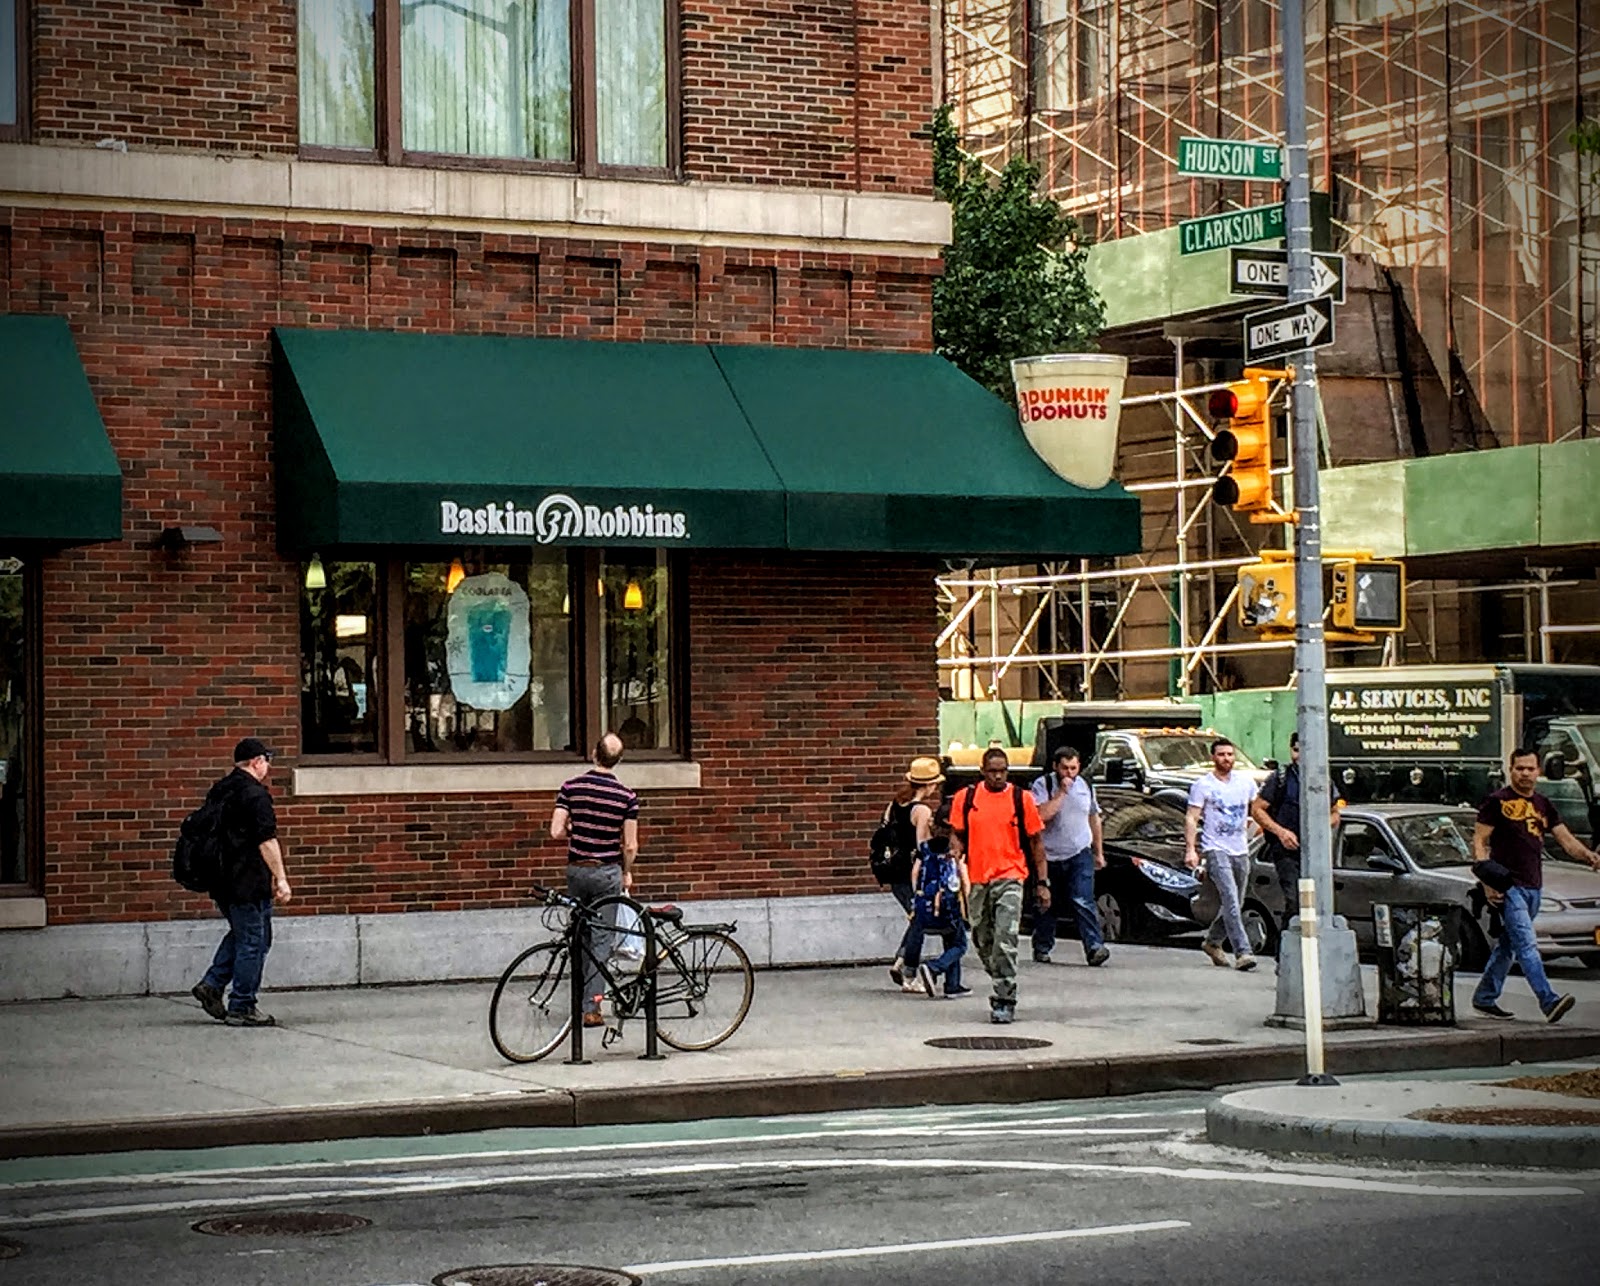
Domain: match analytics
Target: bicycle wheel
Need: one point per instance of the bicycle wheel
(703, 988)
(531, 1012)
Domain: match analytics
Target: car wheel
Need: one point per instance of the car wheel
(1260, 928)
(1474, 946)
(1114, 920)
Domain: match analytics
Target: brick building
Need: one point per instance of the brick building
(427, 388)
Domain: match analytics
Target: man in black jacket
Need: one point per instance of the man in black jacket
(252, 876)
(1276, 810)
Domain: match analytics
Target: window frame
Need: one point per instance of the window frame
(32, 726)
(21, 131)
(583, 569)
(389, 147)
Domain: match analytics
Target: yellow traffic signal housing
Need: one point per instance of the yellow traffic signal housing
(1266, 596)
(1368, 596)
(1243, 442)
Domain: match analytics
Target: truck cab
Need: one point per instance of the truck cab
(1166, 758)
(1569, 768)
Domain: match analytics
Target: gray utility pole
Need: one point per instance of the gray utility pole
(1342, 997)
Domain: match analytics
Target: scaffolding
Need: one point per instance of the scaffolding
(1439, 131)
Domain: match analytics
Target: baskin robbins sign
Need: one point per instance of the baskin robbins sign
(559, 517)
(1069, 405)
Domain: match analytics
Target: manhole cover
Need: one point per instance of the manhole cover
(285, 1223)
(9, 1249)
(986, 1042)
(536, 1275)
(1208, 1040)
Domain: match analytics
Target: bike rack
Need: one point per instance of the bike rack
(576, 949)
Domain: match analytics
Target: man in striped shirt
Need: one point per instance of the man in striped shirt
(599, 818)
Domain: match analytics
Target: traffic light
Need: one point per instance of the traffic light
(1243, 441)
(1368, 596)
(1266, 595)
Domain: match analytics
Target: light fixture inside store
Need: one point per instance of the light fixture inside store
(349, 626)
(316, 578)
(633, 596)
(600, 587)
(566, 605)
(458, 573)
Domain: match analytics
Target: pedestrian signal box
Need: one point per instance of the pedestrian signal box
(1266, 596)
(1368, 596)
(1243, 442)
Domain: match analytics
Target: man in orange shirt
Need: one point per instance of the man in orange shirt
(997, 825)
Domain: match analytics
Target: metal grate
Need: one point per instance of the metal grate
(536, 1275)
(285, 1223)
(1208, 1040)
(986, 1042)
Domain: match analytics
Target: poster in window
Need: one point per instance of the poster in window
(486, 642)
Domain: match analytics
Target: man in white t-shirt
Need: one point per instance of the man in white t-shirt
(1218, 820)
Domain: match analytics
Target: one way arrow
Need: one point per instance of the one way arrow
(1291, 328)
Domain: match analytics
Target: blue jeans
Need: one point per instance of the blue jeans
(242, 953)
(1516, 942)
(909, 952)
(948, 965)
(1071, 884)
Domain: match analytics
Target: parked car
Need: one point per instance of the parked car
(1388, 853)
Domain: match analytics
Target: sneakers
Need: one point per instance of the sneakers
(897, 972)
(593, 1018)
(1001, 1011)
(1098, 957)
(925, 978)
(210, 1000)
(951, 993)
(1041, 957)
(1245, 963)
(251, 1017)
(912, 986)
(1491, 1011)
(1557, 1011)
(1219, 957)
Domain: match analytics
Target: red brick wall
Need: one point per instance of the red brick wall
(824, 93)
(156, 662)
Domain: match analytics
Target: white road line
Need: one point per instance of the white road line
(913, 1248)
(581, 1149)
(965, 1165)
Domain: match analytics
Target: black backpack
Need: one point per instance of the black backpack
(891, 849)
(197, 857)
(1016, 801)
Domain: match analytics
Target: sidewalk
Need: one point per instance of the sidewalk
(148, 1072)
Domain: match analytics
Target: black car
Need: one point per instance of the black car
(1144, 891)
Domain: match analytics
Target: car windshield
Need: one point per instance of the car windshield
(1590, 732)
(1436, 839)
(1175, 754)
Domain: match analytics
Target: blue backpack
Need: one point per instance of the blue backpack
(938, 892)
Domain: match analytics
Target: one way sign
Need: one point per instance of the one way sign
(1292, 328)
(1254, 271)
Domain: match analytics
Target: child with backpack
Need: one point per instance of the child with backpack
(939, 879)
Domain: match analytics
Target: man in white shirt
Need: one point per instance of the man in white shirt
(1073, 853)
(1216, 829)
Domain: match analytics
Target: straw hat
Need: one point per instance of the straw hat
(924, 771)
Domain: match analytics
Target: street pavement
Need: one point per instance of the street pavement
(155, 1072)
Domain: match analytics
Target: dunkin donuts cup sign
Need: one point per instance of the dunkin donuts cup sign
(1069, 404)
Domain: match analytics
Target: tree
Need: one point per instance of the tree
(1013, 282)
(1586, 138)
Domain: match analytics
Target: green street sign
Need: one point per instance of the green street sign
(1219, 158)
(1235, 228)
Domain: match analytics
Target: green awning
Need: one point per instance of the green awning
(904, 453)
(59, 479)
(386, 438)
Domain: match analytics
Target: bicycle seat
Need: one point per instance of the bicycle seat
(668, 914)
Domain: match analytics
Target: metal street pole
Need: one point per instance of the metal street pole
(1340, 981)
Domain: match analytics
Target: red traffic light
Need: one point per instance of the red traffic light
(1223, 404)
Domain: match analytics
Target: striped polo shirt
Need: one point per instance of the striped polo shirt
(598, 804)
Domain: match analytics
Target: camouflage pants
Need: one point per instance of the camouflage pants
(996, 923)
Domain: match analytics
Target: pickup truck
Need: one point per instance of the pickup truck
(1153, 759)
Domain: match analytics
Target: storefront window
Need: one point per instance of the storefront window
(634, 644)
(488, 647)
(339, 657)
(17, 863)
(338, 64)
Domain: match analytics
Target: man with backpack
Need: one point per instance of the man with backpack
(1276, 810)
(998, 827)
(1073, 851)
(242, 831)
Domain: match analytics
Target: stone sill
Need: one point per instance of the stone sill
(479, 779)
(22, 913)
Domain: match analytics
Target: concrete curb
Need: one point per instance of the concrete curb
(1236, 1122)
(1021, 1082)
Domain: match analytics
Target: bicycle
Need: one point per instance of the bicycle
(531, 1011)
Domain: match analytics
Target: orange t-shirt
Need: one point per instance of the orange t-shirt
(989, 817)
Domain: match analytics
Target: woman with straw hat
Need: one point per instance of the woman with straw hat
(911, 813)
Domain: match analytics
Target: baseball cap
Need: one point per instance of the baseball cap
(250, 748)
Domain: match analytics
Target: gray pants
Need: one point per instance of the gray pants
(588, 883)
(1230, 875)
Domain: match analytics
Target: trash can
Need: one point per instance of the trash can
(1417, 953)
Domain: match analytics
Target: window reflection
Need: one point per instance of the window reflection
(636, 690)
(14, 856)
(488, 662)
(339, 660)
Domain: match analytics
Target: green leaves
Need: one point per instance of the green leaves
(1013, 282)
(1586, 138)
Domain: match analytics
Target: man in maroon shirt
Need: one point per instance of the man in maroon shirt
(1510, 830)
